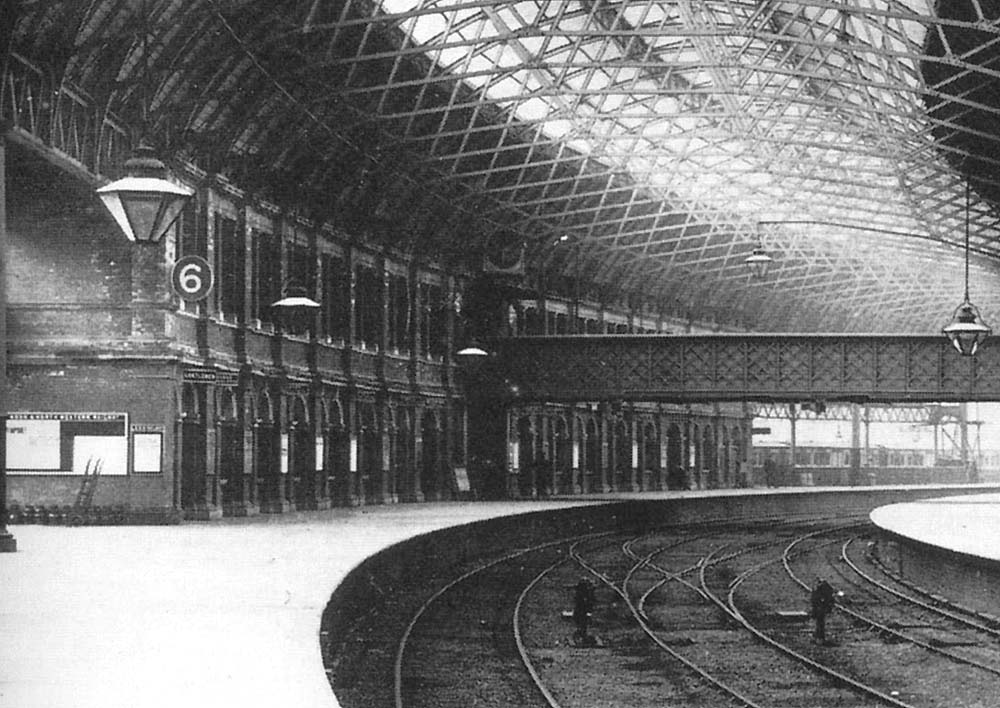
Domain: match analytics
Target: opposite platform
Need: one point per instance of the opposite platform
(222, 613)
(969, 525)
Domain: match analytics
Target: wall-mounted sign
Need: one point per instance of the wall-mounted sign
(227, 378)
(192, 278)
(462, 479)
(67, 443)
(320, 453)
(198, 374)
(147, 449)
(206, 374)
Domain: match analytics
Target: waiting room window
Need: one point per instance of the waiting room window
(266, 287)
(368, 307)
(336, 312)
(230, 267)
(399, 312)
(438, 322)
(192, 240)
(301, 274)
(432, 320)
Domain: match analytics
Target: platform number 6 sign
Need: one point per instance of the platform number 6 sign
(192, 278)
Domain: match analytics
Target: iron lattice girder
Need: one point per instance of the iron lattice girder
(658, 94)
(758, 367)
(899, 413)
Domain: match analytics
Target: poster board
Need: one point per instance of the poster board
(320, 453)
(147, 453)
(50, 443)
(462, 479)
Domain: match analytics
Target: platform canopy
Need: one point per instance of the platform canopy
(635, 151)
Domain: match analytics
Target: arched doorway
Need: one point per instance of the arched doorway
(675, 459)
(621, 456)
(195, 496)
(592, 457)
(562, 457)
(649, 461)
(301, 484)
(267, 457)
(321, 455)
(235, 490)
(402, 455)
(338, 473)
(708, 457)
(696, 478)
(738, 456)
(526, 457)
(369, 453)
(430, 455)
(725, 463)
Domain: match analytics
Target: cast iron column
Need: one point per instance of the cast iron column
(7, 542)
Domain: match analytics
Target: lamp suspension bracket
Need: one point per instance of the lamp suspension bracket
(758, 261)
(144, 203)
(966, 331)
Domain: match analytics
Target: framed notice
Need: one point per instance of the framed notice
(147, 453)
(462, 479)
(40, 443)
(320, 452)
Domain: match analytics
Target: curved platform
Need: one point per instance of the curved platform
(948, 547)
(968, 525)
(222, 613)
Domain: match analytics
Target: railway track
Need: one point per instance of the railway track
(688, 617)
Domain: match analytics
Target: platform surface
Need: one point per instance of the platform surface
(967, 524)
(221, 613)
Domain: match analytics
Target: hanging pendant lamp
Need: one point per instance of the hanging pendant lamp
(144, 203)
(966, 331)
(758, 261)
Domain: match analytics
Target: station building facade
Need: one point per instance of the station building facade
(220, 406)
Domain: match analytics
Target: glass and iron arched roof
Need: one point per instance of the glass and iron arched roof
(634, 150)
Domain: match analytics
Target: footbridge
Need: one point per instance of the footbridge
(744, 367)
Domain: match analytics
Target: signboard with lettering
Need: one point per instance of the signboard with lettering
(192, 278)
(67, 443)
(198, 374)
(206, 374)
(227, 378)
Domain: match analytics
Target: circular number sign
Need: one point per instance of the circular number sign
(192, 278)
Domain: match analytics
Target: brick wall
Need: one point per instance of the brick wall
(145, 392)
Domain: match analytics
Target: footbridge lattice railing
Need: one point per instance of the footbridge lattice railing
(754, 367)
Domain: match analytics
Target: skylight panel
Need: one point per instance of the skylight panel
(534, 109)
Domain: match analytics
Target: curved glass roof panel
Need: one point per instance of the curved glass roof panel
(633, 150)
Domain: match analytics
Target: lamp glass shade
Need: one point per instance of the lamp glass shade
(472, 351)
(967, 330)
(296, 309)
(758, 262)
(144, 207)
(295, 301)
